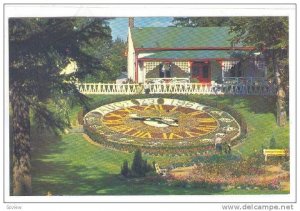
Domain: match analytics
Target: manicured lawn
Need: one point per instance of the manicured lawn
(69, 165)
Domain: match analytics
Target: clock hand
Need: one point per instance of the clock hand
(160, 120)
(136, 117)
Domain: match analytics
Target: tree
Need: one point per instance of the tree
(125, 169)
(139, 167)
(137, 164)
(117, 61)
(39, 48)
(270, 36)
(112, 55)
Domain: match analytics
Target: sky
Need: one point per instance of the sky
(119, 26)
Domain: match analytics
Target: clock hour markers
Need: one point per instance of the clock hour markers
(122, 128)
(192, 134)
(159, 122)
(146, 122)
(142, 134)
(195, 113)
(171, 136)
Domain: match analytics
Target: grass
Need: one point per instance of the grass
(69, 165)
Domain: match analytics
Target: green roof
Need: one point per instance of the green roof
(195, 54)
(180, 37)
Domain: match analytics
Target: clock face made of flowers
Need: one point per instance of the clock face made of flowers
(159, 123)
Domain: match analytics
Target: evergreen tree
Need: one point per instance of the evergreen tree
(39, 48)
(137, 166)
(125, 169)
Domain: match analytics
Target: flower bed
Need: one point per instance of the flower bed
(243, 182)
(231, 172)
(192, 146)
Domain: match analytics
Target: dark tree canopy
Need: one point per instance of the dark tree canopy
(39, 49)
(270, 35)
(112, 53)
(261, 32)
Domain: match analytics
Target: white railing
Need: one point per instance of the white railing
(110, 88)
(166, 80)
(245, 80)
(177, 88)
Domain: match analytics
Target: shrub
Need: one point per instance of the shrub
(229, 166)
(139, 167)
(125, 169)
(194, 80)
(147, 167)
(138, 164)
(286, 166)
(272, 143)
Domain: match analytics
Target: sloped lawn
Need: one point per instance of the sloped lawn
(69, 165)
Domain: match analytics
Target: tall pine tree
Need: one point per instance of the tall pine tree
(39, 48)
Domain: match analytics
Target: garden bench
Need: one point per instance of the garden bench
(160, 171)
(275, 152)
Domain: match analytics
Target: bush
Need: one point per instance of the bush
(229, 166)
(286, 166)
(139, 167)
(138, 164)
(125, 169)
(272, 143)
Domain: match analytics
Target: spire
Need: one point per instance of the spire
(131, 22)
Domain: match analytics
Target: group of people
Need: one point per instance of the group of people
(165, 70)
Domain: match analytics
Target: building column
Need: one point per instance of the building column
(136, 69)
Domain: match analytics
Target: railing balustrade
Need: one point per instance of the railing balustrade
(245, 80)
(166, 80)
(178, 88)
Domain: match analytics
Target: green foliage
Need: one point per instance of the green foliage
(56, 160)
(272, 143)
(112, 55)
(261, 32)
(286, 166)
(230, 166)
(40, 48)
(125, 169)
(139, 167)
(270, 35)
(138, 164)
(194, 80)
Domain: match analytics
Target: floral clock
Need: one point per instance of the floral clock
(160, 125)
